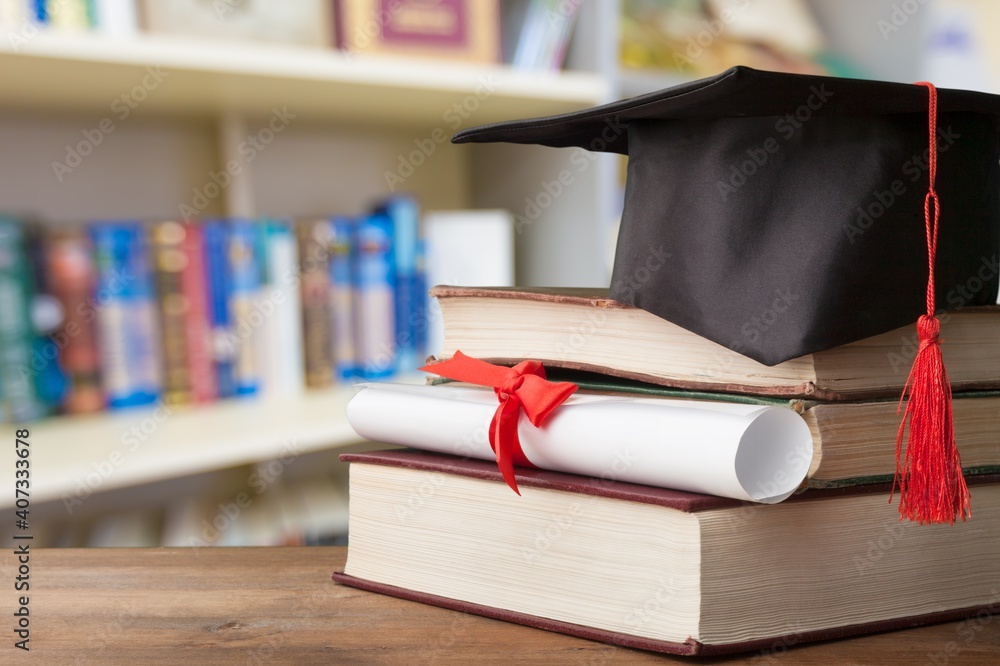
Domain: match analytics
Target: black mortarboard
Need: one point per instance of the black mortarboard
(790, 208)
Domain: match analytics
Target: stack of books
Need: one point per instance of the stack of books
(650, 512)
(665, 514)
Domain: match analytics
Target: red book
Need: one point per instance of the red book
(197, 328)
(659, 569)
(460, 29)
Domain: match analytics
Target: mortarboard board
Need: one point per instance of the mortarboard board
(791, 206)
(798, 213)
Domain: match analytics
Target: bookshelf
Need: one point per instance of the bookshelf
(355, 119)
(74, 456)
(205, 78)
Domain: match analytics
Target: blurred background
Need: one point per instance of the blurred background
(217, 216)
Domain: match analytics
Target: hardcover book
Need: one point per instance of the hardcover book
(458, 29)
(659, 569)
(584, 329)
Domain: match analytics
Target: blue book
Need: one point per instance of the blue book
(343, 297)
(405, 215)
(126, 314)
(376, 309)
(244, 268)
(219, 286)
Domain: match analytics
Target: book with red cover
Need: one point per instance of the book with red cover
(658, 569)
(456, 29)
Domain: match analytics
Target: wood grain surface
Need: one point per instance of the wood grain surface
(279, 606)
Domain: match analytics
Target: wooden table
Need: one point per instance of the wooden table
(278, 606)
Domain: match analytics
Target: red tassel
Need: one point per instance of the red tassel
(932, 488)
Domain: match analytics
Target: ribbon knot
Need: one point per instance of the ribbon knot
(523, 387)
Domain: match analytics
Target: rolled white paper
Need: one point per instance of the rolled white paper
(747, 452)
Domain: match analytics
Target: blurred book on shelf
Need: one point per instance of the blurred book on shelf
(190, 312)
(23, 19)
(701, 37)
(537, 32)
(469, 248)
(454, 29)
(301, 22)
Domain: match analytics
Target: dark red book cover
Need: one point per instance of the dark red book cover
(674, 499)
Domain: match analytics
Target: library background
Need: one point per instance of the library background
(217, 217)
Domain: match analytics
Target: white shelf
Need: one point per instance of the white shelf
(106, 451)
(82, 72)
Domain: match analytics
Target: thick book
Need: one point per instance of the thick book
(584, 329)
(659, 569)
(853, 441)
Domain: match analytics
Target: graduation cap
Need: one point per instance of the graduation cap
(799, 213)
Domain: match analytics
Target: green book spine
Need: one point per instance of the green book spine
(18, 383)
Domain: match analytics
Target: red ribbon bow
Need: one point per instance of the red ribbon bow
(523, 386)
